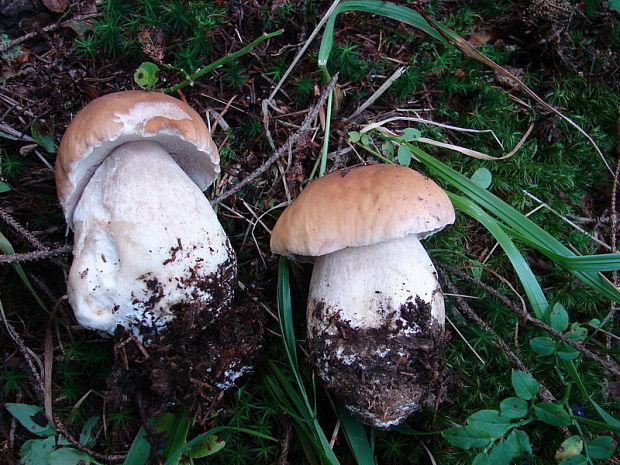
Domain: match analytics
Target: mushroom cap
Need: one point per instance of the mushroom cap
(360, 206)
(115, 119)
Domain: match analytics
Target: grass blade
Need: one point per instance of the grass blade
(300, 397)
(534, 293)
(356, 434)
(518, 224)
(387, 9)
(7, 249)
(140, 449)
(574, 374)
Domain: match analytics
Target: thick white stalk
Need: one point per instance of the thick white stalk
(146, 240)
(375, 327)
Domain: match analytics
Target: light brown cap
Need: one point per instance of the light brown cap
(115, 119)
(361, 206)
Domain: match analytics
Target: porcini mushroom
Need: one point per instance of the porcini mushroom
(130, 173)
(375, 312)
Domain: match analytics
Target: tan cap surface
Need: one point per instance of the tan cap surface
(361, 206)
(114, 119)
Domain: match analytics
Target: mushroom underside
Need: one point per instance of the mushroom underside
(376, 328)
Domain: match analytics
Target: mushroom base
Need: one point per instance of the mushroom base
(380, 375)
(191, 361)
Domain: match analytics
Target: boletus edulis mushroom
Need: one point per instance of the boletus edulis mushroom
(375, 312)
(150, 256)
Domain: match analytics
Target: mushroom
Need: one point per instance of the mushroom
(130, 173)
(375, 312)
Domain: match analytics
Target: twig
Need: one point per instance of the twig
(27, 235)
(37, 381)
(563, 218)
(469, 50)
(36, 255)
(51, 27)
(545, 394)
(59, 427)
(278, 153)
(608, 365)
(379, 92)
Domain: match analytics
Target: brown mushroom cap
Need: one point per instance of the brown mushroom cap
(361, 206)
(114, 119)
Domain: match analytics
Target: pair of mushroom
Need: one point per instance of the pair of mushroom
(130, 173)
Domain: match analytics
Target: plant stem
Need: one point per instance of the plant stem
(222, 61)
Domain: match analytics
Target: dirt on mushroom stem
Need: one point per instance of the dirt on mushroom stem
(378, 373)
(196, 356)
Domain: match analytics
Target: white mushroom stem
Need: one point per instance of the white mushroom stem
(146, 240)
(366, 286)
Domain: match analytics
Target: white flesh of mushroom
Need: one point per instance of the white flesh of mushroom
(367, 287)
(146, 239)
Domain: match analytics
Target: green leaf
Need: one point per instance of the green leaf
(481, 459)
(354, 136)
(43, 140)
(567, 352)
(388, 148)
(513, 407)
(410, 134)
(613, 4)
(32, 418)
(521, 442)
(4, 187)
(35, 451)
(574, 460)
(577, 333)
(602, 447)
(70, 456)
(87, 437)
(552, 414)
(569, 448)
(467, 437)
(559, 318)
(208, 446)
(146, 75)
(572, 371)
(7, 136)
(140, 449)
(502, 453)
(542, 345)
(482, 177)
(524, 385)
(404, 155)
(493, 422)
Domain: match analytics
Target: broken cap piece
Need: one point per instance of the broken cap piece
(360, 206)
(115, 119)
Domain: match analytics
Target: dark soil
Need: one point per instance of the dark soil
(378, 373)
(191, 362)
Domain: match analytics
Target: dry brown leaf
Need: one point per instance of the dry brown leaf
(56, 6)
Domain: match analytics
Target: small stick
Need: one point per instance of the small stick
(545, 394)
(609, 366)
(36, 255)
(278, 153)
(49, 28)
(27, 235)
